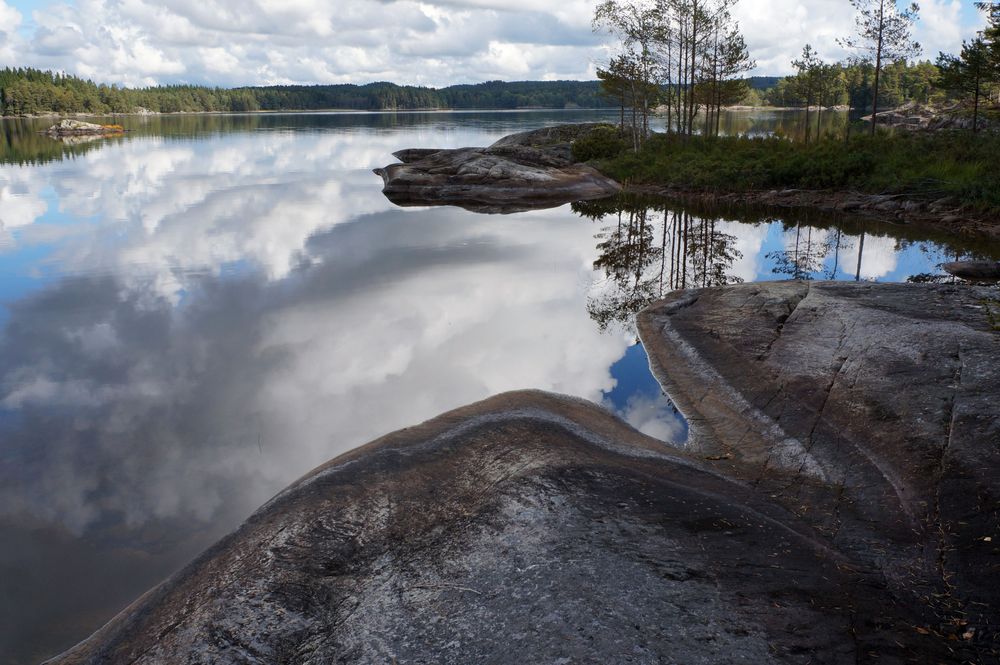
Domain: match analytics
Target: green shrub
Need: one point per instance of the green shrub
(921, 165)
(599, 143)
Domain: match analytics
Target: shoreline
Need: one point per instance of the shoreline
(431, 109)
(533, 109)
(897, 209)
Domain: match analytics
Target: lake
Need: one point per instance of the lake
(197, 313)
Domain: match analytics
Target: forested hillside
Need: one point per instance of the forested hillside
(830, 84)
(25, 91)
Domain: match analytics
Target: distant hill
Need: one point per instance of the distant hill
(763, 82)
(390, 96)
(26, 91)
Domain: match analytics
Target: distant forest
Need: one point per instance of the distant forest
(25, 91)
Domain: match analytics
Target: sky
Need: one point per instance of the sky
(435, 42)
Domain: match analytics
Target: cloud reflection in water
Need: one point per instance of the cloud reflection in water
(226, 314)
(196, 323)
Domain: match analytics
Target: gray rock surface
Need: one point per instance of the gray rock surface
(916, 116)
(527, 528)
(837, 503)
(518, 172)
(870, 411)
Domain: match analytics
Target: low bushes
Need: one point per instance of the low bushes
(603, 142)
(921, 165)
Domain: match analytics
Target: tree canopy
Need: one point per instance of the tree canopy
(26, 91)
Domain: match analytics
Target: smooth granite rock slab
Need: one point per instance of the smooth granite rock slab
(870, 410)
(519, 172)
(528, 528)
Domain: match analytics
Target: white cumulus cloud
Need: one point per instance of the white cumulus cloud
(428, 42)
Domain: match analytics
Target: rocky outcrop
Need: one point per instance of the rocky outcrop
(67, 127)
(519, 172)
(526, 528)
(870, 411)
(837, 503)
(557, 139)
(923, 116)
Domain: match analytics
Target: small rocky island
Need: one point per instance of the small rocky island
(71, 128)
(522, 171)
(837, 503)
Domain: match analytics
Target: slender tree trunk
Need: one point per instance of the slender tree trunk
(850, 105)
(694, 55)
(670, 94)
(645, 94)
(808, 104)
(809, 245)
(878, 64)
(682, 110)
(641, 253)
(975, 105)
(711, 250)
(682, 101)
(795, 261)
(663, 251)
(704, 253)
(635, 136)
(684, 251)
(819, 117)
(674, 226)
(718, 84)
(836, 256)
(861, 251)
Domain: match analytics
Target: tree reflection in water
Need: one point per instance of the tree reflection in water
(649, 248)
(803, 256)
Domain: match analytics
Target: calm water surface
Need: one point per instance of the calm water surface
(194, 315)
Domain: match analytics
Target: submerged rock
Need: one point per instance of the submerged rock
(519, 172)
(837, 504)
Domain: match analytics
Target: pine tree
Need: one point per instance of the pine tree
(968, 74)
(806, 84)
(884, 33)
